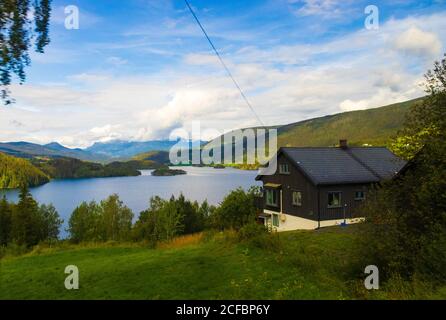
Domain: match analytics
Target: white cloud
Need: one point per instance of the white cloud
(285, 83)
(418, 42)
(116, 61)
(322, 8)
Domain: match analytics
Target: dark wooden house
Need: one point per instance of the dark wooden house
(318, 187)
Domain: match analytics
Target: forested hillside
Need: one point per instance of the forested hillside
(157, 156)
(372, 127)
(69, 168)
(15, 172)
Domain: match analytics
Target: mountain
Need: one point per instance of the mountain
(373, 127)
(157, 156)
(119, 149)
(29, 150)
(128, 149)
(15, 172)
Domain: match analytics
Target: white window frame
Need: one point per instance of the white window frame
(292, 198)
(281, 167)
(340, 199)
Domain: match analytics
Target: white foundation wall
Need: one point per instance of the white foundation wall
(290, 223)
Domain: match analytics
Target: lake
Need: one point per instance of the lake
(199, 184)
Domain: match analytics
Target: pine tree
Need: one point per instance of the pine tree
(25, 220)
(5, 222)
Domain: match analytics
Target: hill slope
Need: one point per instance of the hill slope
(15, 172)
(373, 127)
(156, 156)
(28, 150)
(306, 265)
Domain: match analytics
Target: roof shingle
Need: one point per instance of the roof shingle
(345, 166)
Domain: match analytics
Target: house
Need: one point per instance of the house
(319, 187)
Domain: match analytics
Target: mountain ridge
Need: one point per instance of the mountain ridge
(363, 127)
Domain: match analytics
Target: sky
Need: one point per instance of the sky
(138, 69)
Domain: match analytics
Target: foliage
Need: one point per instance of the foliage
(166, 171)
(108, 220)
(427, 120)
(70, 168)
(15, 172)
(116, 219)
(236, 210)
(406, 217)
(27, 223)
(83, 224)
(5, 222)
(50, 222)
(161, 222)
(16, 33)
(166, 219)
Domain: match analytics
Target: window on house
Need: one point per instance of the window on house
(359, 195)
(275, 220)
(271, 197)
(334, 199)
(297, 198)
(284, 168)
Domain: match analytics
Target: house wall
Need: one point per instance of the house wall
(353, 208)
(290, 223)
(295, 181)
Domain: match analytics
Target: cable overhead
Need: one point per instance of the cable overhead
(223, 63)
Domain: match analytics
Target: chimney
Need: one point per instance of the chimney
(343, 144)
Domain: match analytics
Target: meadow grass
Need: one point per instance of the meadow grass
(300, 265)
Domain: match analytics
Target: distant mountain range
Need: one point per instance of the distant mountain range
(98, 152)
(127, 149)
(371, 127)
(29, 150)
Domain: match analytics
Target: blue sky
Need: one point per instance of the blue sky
(138, 69)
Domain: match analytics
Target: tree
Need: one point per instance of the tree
(406, 217)
(116, 219)
(83, 224)
(193, 218)
(50, 222)
(22, 23)
(160, 222)
(426, 121)
(236, 210)
(25, 220)
(5, 222)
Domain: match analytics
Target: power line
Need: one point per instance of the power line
(223, 63)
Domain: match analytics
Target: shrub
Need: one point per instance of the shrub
(236, 210)
(257, 235)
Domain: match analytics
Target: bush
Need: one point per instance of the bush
(110, 220)
(257, 235)
(251, 230)
(236, 210)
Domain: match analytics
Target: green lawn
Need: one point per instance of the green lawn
(307, 265)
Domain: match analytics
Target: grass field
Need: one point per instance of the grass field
(300, 265)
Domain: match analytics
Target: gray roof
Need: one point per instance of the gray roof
(345, 166)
